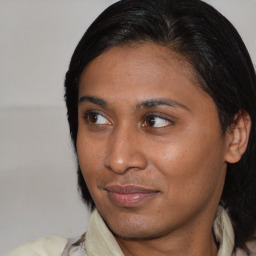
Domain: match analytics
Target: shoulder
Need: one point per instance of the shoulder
(46, 246)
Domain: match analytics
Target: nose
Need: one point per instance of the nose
(125, 151)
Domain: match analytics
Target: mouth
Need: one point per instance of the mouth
(129, 195)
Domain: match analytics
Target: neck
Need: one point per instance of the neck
(172, 246)
(194, 242)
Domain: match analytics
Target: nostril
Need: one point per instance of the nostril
(124, 151)
(122, 161)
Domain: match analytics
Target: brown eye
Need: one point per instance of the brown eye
(96, 118)
(92, 117)
(156, 121)
(150, 121)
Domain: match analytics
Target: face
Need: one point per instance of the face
(149, 142)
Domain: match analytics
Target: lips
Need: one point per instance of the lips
(128, 196)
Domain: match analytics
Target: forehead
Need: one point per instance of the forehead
(146, 56)
(138, 73)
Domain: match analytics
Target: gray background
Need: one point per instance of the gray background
(38, 194)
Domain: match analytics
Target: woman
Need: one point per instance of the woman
(161, 106)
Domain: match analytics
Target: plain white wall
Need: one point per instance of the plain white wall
(38, 193)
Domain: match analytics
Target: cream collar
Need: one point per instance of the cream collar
(100, 241)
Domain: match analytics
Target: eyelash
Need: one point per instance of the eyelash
(90, 113)
(145, 119)
(159, 116)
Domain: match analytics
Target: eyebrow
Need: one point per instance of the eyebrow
(158, 102)
(145, 104)
(94, 100)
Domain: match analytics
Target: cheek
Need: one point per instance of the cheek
(190, 166)
(89, 157)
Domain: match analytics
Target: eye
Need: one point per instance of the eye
(96, 118)
(155, 121)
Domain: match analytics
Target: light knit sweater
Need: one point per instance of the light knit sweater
(99, 241)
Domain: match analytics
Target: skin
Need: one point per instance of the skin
(172, 147)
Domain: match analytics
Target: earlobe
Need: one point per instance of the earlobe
(238, 137)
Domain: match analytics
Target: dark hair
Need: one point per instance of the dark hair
(213, 47)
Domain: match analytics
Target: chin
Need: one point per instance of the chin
(146, 233)
(134, 234)
(134, 227)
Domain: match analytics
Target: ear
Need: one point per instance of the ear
(238, 137)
